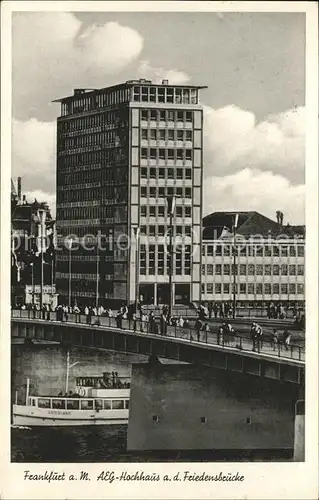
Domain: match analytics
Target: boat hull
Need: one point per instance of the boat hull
(35, 417)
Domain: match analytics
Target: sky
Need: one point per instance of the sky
(254, 106)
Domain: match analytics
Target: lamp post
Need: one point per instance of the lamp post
(234, 272)
(137, 265)
(32, 282)
(70, 271)
(171, 208)
(68, 366)
(97, 277)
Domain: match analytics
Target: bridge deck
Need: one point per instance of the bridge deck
(266, 349)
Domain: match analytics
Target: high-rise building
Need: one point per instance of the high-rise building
(123, 152)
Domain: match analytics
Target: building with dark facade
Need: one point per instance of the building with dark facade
(122, 153)
(32, 250)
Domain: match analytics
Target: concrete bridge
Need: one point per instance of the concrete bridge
(234, 354)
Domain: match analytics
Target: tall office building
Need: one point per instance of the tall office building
(122, 153)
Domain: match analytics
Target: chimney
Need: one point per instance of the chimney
(164, 82)
(19, 189)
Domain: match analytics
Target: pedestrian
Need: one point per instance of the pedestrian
(76, 311)
(286, 338)
(222, 310)
(220, 335)
(66, 312)
(119, 318)
(274, 339)
(163, 323)
(134, 321)
(151, 320)
(198, 327)
(206, 330)
(216, 308)
(48, 310)
(89, 316)
(210, 309)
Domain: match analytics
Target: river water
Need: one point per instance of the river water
(45, 366)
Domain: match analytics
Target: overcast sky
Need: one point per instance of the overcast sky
(253, 65)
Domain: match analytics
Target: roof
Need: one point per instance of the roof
(249, 224)
(128, 83)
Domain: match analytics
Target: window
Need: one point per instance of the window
(226, 269)
(58, 403)
(226, 250)
(43, 403)
(86, 404)
(118, 404)
(170, 135)
(144, 172)
(161, 211)
(170, 173)
(284, 288)
(153, 114)
(209, 288)
(203, 270)
(179, 173)
(210, 250)
(226, 288)
(210, 269)
(189, 116)
(161, 230)
(72, 404)
(275, 288)
(300, 270)
(284, 270)
(143, 191)
(161, 154)
(218, 288)
(276, 251)
(152, 134)
(170, 154)
(170, 117)
(259, 251)
(107, 404)
(152, 173)
(179, 135)
(161, 192)
(275, 270)
(188, 192)
(152, 211)
(259, 288)
(267, 270)
(153, 153)
(161, 135)
(218, 250)
(151, 265)
(300, 288)
(267, 288)
(292, 251)
(188, 135)
(251, 288)
(242, 269)
(218, 269)
(180, 116)
(144, 152)
(188, 173)
(188, 212)
(144, 134)
(267, 251)
(179, 154)
(161, 173)
(251, 269)
(144, 114)
(242, 288)
(301, 251)
(161, 115)
(292, 270)
(143, 211)
(169, 94)
(292, 288)
(284, 251)
(259, 269)
(188, 154)
(151, 230)
(161, 94)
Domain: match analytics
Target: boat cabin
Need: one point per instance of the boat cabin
(57, 403)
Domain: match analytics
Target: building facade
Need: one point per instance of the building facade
(122, 153)
(269, 261)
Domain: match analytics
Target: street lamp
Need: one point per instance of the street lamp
(137, 264)
(171, 208)
(234, 272)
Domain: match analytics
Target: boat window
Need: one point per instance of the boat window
(87, 404)
(98, 404)
(107, 404)
(44, 403)
(72, 404)
(58, 403)
(118, 404)
(127, 402)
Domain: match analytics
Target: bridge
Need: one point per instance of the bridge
(232, 353)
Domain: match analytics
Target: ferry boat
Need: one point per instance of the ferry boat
(102, 400)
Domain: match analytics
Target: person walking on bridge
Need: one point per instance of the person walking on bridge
(256, 335)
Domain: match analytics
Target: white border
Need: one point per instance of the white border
(262, 480)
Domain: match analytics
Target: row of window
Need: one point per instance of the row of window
(252, 269)
(111, 138)
(153, 134)
(162, 230)
(171, 95)
(161, 211)
(166, 154)
(155, 260)
(162, 192)
(166, 173)
(254, 288)
(258, 250)
(166, 115)
(83, 404)
(83, 102)
(114, 117)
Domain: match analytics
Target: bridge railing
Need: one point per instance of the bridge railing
(192, 335)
